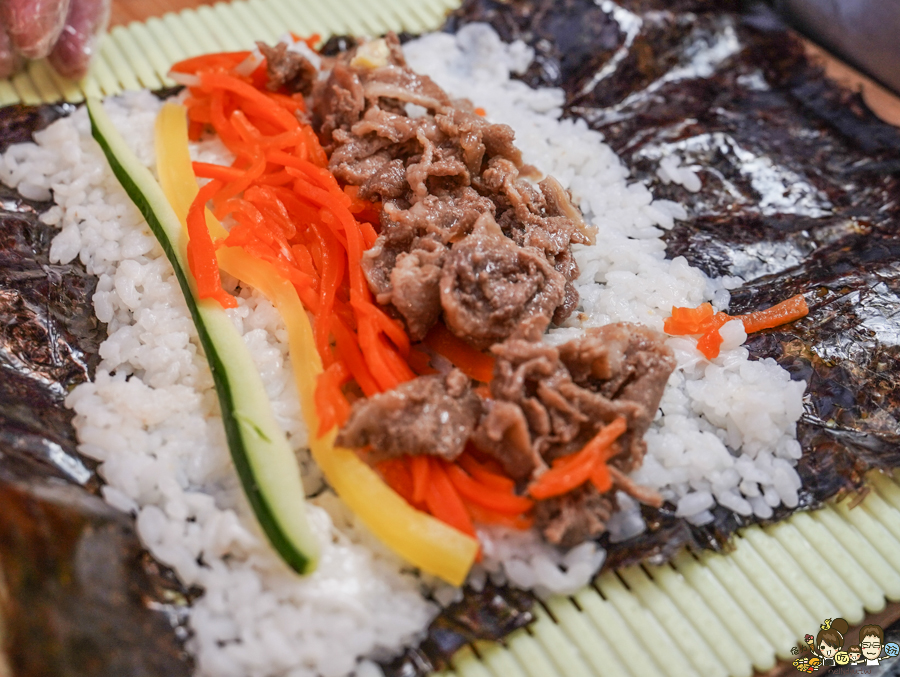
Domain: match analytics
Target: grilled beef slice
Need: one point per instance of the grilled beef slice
(428, 415)
(549, 402)
(436, 166)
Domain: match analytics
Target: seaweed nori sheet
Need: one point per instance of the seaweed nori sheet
(800, 195)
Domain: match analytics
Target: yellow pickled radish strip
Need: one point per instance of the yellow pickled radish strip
(419, 538)
(173, 158)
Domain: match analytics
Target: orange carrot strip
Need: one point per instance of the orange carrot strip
(266, 200)
(420, 362)
(201, 253)
(483, 516)
(483, 475)
(576, 469)
(329, 399)
(470, 361)
(240, 185)
(348, 349)
(396, 473)
(261, 115)
(688, 320)
(491, 499)
(242, 125)
(368, 232)
(331, 274)
(275, 179)
(421, 471)
(222, 81)
(601, 478)
(284, 139)
(787, 311)
(316, 153)
(195, 130)
(562, 479)
(222, 125)
(304, 259)
(222, 60)
(376, 353)
(200, 113)
(384, 323)
(206, 170)
(292, 103)
(444, 502)
(710, 343)
(602, 442)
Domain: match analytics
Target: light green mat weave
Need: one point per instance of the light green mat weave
(139, 55)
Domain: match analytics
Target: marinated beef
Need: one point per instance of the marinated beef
(466, 238)
(415, 290)
(573, 518)
(491, 289)
(549, 402)
(436, 166)
(622, 361)
(338, 103)
(428, 415)
(287, 68)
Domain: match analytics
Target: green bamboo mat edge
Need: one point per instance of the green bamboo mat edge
(705, 614)
(140, 54)
(715, 615)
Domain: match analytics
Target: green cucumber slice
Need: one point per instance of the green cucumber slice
(264, 460)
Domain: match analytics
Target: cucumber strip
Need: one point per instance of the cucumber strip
(264, 460)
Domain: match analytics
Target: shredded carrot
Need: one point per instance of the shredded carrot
(786, 311)
(483, 474)
(573, 470)
(397, 475)
(601, 478)
(421, 473)
(310, 41)
(473, 363)
(331, 403)
(685, 321)
(705, 322)
(482, 516)
(480, 111)
(444, 501)
(491, 499)
(224, 61)
(201, 254)
(420, 362)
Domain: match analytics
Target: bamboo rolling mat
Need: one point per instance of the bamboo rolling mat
(705, 614)
(140, 54)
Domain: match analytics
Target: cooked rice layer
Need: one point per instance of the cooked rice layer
(725, 432)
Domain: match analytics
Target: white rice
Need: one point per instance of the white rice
(725, 433)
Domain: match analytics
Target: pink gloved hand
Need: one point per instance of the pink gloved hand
(72, 53)
(63, 30)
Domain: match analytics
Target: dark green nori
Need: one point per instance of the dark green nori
(769, 101)
(491, 613)
(836, 239)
